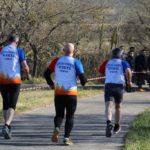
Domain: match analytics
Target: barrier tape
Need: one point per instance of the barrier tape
(146, 72)
(34, 88)
(97, 78)
(46, 86)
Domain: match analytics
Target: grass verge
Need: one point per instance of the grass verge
(138, 137)
(29, 100)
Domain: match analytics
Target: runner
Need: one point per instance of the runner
(11, 58)
(114, 83)
(66, 70)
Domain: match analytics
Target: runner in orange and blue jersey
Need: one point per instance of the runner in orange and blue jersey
(11, 59)
(66, 69)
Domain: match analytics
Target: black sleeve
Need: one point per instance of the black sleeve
(83, 79)
(47, 76)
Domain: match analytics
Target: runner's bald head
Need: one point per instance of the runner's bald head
(69, 49)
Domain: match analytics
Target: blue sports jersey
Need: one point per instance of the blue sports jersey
(22, 55)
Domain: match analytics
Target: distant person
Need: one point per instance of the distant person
(11, 59)
(66, 69)
(130, 57)
(121, 48)
(140, 68)
(114, 72)
(148, 65)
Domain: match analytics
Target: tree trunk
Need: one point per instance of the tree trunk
(35, 59)
(35, 62)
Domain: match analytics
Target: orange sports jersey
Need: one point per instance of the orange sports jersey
(66, 71)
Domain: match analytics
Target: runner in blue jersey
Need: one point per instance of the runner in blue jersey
(115, 71)
(11, 60)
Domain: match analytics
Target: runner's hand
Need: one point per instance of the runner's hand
(52, 86)
(129, 83)
(28, 76)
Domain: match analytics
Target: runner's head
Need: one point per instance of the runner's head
(143, 52)
(69, 49)
(131, 51)
(117, 53)
(13, 39)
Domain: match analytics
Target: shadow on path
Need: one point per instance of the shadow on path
(87, 129)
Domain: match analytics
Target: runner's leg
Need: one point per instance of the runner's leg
(60, 110)
(5, 97)
(71, 104)
(108, 110)
(108, 102)
(118, 96)
(14, 91)
(117, 113)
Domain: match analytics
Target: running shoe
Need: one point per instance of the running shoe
(67, 141)
(109, 128)
(6, 132)
(55, 136)
(117, 128)
(141, 90)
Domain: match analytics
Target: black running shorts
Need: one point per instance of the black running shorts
(114, 92)
(10, 93)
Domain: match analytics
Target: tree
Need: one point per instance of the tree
(137, 28)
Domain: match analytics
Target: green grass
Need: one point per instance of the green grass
(35, 81)
(138, 137)
(29, 100)
(41, 80)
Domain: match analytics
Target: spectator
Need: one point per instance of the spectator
(140, 68)
(148, 66)
(130, 57)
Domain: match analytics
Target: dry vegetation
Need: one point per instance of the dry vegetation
(95, 26)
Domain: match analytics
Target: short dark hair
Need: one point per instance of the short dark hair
(132, 48)
(13, 38)
(117, 53)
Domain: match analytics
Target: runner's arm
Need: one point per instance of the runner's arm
(47, 73)
(26, 69)
(80, 72)
(128, 74)
(47, 76)
(83, 79)
(23, 62)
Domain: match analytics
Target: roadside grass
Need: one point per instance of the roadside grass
(30, 100)
(138, 137)
(41, 80)
(35, 81)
